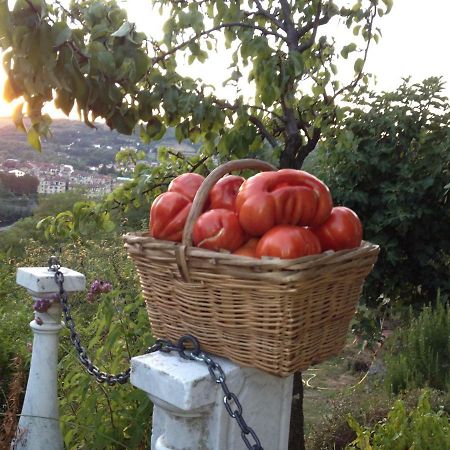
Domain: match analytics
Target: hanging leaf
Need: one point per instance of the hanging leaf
(359, 65)
(123, 30)
(34, 139)
(17, 117)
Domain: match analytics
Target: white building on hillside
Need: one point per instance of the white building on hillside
(52, 184)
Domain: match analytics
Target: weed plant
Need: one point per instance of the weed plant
(419, 353)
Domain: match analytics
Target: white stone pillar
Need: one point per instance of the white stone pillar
(189, 411)
(38, 427)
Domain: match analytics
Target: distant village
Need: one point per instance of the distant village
(55, 178)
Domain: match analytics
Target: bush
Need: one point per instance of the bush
(421, 429)
(367, 407)
(389, 160)
(419, 354)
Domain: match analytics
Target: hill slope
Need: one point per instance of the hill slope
(75, 143)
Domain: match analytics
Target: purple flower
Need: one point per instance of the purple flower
(98, 287)
(42, 304)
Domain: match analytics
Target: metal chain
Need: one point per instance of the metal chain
(218, 375)
(192, 353)
(93, 370)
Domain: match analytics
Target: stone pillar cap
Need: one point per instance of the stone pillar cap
(182, 383)
(41, 280)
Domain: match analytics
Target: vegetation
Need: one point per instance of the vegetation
(389, 160)
(367, 405)
(113, 327)
(420, 351)
(384, 157)
(17, 197)
(420, 429)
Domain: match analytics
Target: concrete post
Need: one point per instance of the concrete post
(38, 427)
(189, 412)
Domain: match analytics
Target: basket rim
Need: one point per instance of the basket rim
(143, 238)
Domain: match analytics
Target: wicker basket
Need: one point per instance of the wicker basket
(280, 316)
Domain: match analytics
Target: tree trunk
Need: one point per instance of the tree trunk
(296, 430)
(296, 150)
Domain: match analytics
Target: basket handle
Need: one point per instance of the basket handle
(209, 182)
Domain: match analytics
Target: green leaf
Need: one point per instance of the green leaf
(5, 24)
(348, 49)
(389, 4)
(125, 29)
(61, 33)
(34, 139)
(64, 101)
(359, 65)
(155, 128)
(99, 31)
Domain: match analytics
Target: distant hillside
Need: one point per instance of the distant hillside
(75, 143)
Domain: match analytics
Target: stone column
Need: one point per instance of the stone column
(189, 411)
(38, 427)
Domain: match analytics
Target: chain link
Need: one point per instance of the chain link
(188, 347)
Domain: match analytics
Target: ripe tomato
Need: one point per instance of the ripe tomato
(186, 184)
(224, 192)
(291, 197)
(248, 249)
(342, 230)
(288, 242)
(168, 215)
(218, 229)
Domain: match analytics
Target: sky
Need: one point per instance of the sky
(415, 39)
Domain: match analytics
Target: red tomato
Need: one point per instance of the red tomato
(224, 192)
(186, 184)
(168, 215)
(342, 230)
(248, 249)
(288, 242)
(291, 197)
(218, 229)
(258, 215)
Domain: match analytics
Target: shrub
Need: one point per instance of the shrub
(419, 354)
(420, 429)
(389, 160)
(367, 407)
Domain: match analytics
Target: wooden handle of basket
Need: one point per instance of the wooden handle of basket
(210, 181)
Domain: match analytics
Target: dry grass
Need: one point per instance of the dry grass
(13, 404)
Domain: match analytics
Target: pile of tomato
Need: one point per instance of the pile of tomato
(285, 214)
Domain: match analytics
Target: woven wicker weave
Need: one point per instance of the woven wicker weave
(280, 316)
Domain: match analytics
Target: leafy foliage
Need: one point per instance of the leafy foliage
(113, 328)
(91, 56)
(420, 352)
(25, 185)
(389, 161)
(420, 429)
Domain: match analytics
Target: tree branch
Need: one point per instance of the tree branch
(310, 25)
(310, 42)
(268, 15)
(254, 120)
(353, 84)
(263, 30)
(289, 27)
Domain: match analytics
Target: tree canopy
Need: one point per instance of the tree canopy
(89, 56)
